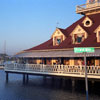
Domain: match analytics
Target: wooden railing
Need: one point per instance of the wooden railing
(60, 69)
(87, 6)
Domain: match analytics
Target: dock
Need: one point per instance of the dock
(53, 70)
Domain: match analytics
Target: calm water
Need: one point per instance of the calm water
(40, 89)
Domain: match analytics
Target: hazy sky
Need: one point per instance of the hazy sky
(27, 23)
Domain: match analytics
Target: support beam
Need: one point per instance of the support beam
(73, 83)
(53, 79)
(24, 78)
(64, 82)
(93, 82)
(27, 78)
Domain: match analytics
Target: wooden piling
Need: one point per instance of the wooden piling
(27, 78)
(24, 78)
(6, 76)
(73, 83)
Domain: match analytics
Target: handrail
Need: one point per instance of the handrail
(87, 6)
(64, 69)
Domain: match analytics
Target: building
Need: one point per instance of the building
(59, 48)
(56, 56)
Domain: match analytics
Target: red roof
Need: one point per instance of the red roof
(91, 41)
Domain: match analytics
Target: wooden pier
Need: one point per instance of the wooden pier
(53, 70)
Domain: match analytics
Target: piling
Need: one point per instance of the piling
(6, 76)
(73, 83)
(27, 78)
(24, 78)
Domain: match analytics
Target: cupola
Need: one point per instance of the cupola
(91, 7)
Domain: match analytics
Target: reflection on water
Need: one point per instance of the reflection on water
(39, 88)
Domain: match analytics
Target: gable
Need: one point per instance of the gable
(57, 33)
(79, 30)
(97, 29)
(58, 37)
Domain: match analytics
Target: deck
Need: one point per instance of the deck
(54, 70)
(82, 9)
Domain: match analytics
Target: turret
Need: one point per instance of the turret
(91, 7)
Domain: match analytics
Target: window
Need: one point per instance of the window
(78, 38)
(87, 22)
(58, 41)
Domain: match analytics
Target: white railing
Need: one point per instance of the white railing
(87, 6)
(63, 69)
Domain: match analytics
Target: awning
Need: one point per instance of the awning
(59, 53)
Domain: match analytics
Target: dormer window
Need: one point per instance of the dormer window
(78, 38)
(58, 37)
(58, 40)
(78, 35)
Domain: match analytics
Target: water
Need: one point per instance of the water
(44, 89)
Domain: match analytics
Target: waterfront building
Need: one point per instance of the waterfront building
(59, 48)
(56, 56)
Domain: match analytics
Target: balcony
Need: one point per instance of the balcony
(89, 7)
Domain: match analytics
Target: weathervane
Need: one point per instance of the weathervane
(57, 24)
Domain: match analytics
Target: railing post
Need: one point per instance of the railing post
(80, 69)
(27, 67)
(27, 78)
(43, 68)
(14, 66)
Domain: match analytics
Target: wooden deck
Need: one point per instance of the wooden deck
(54, 70)
(82, 9)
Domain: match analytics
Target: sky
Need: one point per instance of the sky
(27, 23)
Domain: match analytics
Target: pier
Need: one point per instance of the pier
(52, 70)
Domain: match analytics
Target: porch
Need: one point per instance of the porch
(54, 70)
